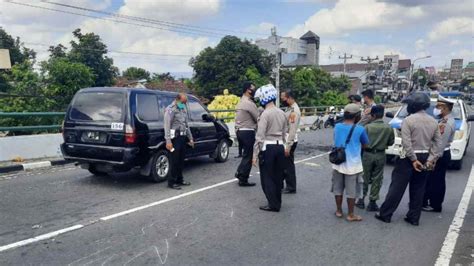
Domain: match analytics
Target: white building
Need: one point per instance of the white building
(294, 52)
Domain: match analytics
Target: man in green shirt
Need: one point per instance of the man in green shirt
(381, 136)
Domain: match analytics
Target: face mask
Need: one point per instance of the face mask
(437, 112)
(181, 106)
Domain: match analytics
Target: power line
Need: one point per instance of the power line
(113, 20)
(153, 21)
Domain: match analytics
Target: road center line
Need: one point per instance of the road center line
(449, 244)
(112, 216)
(40, 237)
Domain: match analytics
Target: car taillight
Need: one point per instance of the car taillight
(130, 136)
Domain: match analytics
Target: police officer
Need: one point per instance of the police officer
(177, 136)
(269, 148)
(246, 124)
(421, 142)
(436, 185)
(293, 115)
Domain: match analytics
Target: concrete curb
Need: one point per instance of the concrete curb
(31, 166)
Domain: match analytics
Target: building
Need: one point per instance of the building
(353, 70)
(468, 71)
(404, 67)
(390, 63)
(444, 74)
(456, 69)
(294, 52)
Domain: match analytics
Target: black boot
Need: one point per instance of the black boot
(360, 204)
(372, 206)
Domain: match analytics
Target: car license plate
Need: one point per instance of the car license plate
(93, 136)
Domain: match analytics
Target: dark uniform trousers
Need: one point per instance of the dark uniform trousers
(436, 184)
(177, 159)
(402, 175)
(247, 138)
(373, 162)
(289, 174)
(272, 163)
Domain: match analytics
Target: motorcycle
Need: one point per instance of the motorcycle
(333, 119)
(318, 124)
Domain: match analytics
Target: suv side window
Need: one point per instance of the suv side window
(196, 110)
(147, 107)
(164, 102)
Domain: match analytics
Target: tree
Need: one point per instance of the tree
(255, 77)
(157, 77)
(57, 51)
(420, 77)
(226, 65)
(18, 52)
(63, 79)
(136, 73)
(91, 51)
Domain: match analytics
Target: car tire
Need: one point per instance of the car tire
(160, 166)
(222, 151)
(456, 165)
(93, 170)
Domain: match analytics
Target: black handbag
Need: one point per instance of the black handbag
(338, 154)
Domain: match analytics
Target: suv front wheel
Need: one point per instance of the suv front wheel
(161, 166)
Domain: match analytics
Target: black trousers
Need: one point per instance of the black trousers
(436, 184)
(272, 163)
(402, 175)
(247, 138)
(289, 174)
(177, 160)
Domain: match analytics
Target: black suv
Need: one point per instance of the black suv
(117, 129)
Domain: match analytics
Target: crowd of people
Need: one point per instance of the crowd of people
(268, 138)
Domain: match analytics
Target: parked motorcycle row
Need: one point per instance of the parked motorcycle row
(332, 119)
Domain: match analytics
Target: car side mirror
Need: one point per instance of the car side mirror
(208, 118)
(389, 115)
(470, 118)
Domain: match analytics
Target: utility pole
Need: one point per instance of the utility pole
(277, 62)
(369, 67)
(345, 57)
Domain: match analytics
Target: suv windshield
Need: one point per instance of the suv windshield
(97, 106)
(456, 113)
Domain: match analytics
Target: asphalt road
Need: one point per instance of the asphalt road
(215, 222)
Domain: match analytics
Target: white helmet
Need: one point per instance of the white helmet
(266, 94)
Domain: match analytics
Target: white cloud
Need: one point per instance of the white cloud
(451, 26)
(349, 15)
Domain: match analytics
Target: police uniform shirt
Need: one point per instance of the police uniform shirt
(420, 134)
(177, 120)
(272, 126)
(246, 116)
(292, 135)
(447, 128)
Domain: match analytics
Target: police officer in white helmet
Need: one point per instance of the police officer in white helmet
(269, 148)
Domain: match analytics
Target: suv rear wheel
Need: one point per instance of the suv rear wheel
(161, 166)
(222, 151)
(93, 170)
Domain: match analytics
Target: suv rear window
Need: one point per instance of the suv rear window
(97, 106)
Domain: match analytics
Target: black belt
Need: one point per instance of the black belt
(373, 150)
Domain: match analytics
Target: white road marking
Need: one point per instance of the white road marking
(40, 237)
(112, 216)
(313, 164)
(29, 166)
(449, 244)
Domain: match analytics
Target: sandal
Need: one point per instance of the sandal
(354, 218)
(338, 214)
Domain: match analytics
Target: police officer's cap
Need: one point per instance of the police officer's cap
(442, 99)
(416, 102)
(377, 110)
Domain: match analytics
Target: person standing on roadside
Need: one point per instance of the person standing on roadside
(373, 158)
(293, 115)
(436, 184)
(246, 124)
(177, 135)
(421, 143)
(269, 148)
(352, 137)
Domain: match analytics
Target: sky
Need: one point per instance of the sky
(167, 33)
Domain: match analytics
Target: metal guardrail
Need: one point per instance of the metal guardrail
(29, 115)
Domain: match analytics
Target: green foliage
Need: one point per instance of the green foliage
(136, 73)
(255, 77)
(332, 97)
(310, 85)
(226, 66)
(420, 77)
(91, 51)
(377, 99)
(156, 77)
(63, 79)
(18, 52)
